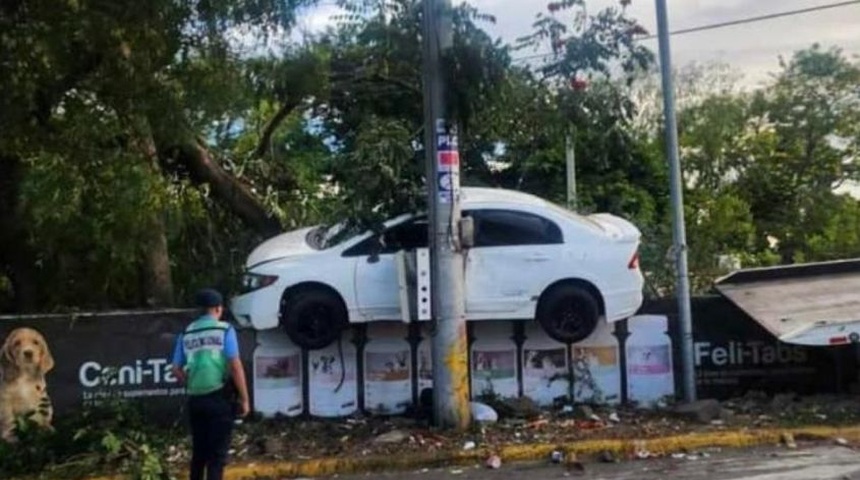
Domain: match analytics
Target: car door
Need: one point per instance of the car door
(377, 295)
(516, 253)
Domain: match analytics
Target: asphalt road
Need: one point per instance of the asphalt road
(813, 463)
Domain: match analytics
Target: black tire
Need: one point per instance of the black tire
(568, 313)
(313, 318)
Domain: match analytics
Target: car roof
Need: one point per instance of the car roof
(470, 195)
(475, 195)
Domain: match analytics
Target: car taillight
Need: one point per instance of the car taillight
(634, 261)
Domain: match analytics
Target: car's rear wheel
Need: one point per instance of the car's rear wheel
(568, 313)
(313, 318)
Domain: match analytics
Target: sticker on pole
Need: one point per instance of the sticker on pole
(446, 142)
(447, 156)
(448, 160)
(445, 186)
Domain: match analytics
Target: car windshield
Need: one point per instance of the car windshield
(328, 236)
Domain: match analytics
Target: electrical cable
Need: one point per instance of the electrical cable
(759, 18)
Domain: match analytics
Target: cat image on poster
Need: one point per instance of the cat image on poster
(484, 362)
(324, 364)
(398, 364)
(280, 369)
(545, 360)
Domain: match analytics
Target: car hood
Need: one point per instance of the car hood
(285, 245)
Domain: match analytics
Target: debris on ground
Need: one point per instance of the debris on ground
(640, 451)
(538, 423)
(483, 413)
(470, 445)
(586, 412)
(493, 462)
(575, 467)
(702, 411)
(394, 436)
(519, 407)
(788, 440)
(607, 456)
(782, 400)
(521, 422)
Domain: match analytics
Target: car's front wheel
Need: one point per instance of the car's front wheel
(313, 318)
(568, 313)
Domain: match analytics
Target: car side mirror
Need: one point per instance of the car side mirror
(376, 247)
(467, 232)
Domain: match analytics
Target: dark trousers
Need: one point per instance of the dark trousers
(211, 428)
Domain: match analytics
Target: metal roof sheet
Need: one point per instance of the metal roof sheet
(811, 304)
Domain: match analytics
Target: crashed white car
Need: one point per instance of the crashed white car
(530, 259)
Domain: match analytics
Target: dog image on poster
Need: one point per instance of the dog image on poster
(25, 359)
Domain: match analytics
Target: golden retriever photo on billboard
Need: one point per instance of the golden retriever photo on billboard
(24, 360)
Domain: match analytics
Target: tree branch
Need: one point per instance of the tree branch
(227, 188)
(271, 126)
(397, 82)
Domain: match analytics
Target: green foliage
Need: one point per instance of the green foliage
(592, 44)
(761, 168)
(113, 437)
(101, 104)
(380, 176)
(97, 99)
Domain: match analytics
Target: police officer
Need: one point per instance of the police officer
(206, 360)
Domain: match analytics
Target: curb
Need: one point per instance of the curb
(522, 453)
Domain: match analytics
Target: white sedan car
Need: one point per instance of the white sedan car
(531, 259)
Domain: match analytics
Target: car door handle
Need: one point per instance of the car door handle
(537, 257)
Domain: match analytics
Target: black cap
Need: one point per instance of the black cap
(208, 298)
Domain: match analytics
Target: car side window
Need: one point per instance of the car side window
(501, 228)
(409, 235)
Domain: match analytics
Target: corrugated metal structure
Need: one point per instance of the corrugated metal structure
(806, 304)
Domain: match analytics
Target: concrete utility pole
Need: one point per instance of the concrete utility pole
(450, 345)
(677, 192)
(570, 161)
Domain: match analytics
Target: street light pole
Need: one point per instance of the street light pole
(450, 345)
(677, 193)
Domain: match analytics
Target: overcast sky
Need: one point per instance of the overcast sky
(752, 48)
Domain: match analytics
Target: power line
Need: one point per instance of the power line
(729, 23)
(759, 18)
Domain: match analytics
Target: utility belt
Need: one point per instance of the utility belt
(228, 392)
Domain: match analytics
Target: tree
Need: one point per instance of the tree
(375, 111)
(808, 125)
(132, 83)
(760, 169)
